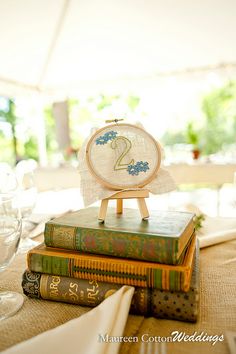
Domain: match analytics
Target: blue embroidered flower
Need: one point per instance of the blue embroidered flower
(110, 135)
(132, 170)
(103, 139)
(140, 166)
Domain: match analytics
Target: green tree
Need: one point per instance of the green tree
(105, 101)
(172, 137)
(133, 102)
(219, 108)
(10, 117)
(218, 127)
(192, 135)
(31, 148)
(50, 126)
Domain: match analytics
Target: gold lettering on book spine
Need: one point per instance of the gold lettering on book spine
(73, 292)
(64, 237)
(92, 292)
(53, 287)
(49, 287)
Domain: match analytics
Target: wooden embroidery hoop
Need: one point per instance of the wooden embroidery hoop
(124, 191)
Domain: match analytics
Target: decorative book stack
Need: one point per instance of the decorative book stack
(83, 261)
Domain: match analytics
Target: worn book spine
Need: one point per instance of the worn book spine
(113, 270)
(146, 302)
(120, 244)
(117, 241)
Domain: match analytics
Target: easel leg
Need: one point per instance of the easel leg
(143, 208)
(103, 210)
(119, 206)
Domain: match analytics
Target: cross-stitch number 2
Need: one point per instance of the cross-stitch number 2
(127, 146)
(111, 155)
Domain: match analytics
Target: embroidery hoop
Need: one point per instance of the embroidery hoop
(156, 149)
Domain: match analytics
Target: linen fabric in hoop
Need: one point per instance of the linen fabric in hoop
(122, 156)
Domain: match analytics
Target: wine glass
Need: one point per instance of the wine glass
(26, 200)
(10, 232)
(8, 181)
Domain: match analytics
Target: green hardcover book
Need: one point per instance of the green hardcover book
(162, 238)
(147, 302)
(112, 269)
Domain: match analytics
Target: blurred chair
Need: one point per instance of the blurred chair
(8, 181)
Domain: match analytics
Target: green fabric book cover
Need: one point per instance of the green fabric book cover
(162, 238)
(176, 305)
(112, 269)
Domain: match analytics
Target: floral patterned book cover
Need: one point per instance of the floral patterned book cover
(162, 238)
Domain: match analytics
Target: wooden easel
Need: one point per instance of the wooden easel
(140, 195)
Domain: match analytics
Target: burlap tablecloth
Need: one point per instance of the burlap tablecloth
(217, 308)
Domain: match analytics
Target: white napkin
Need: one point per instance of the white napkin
(217, 237)
(215, 229)
(83, 335)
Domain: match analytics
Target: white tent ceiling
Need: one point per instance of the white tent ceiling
(59, 46)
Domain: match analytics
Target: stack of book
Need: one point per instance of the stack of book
(83, 261)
